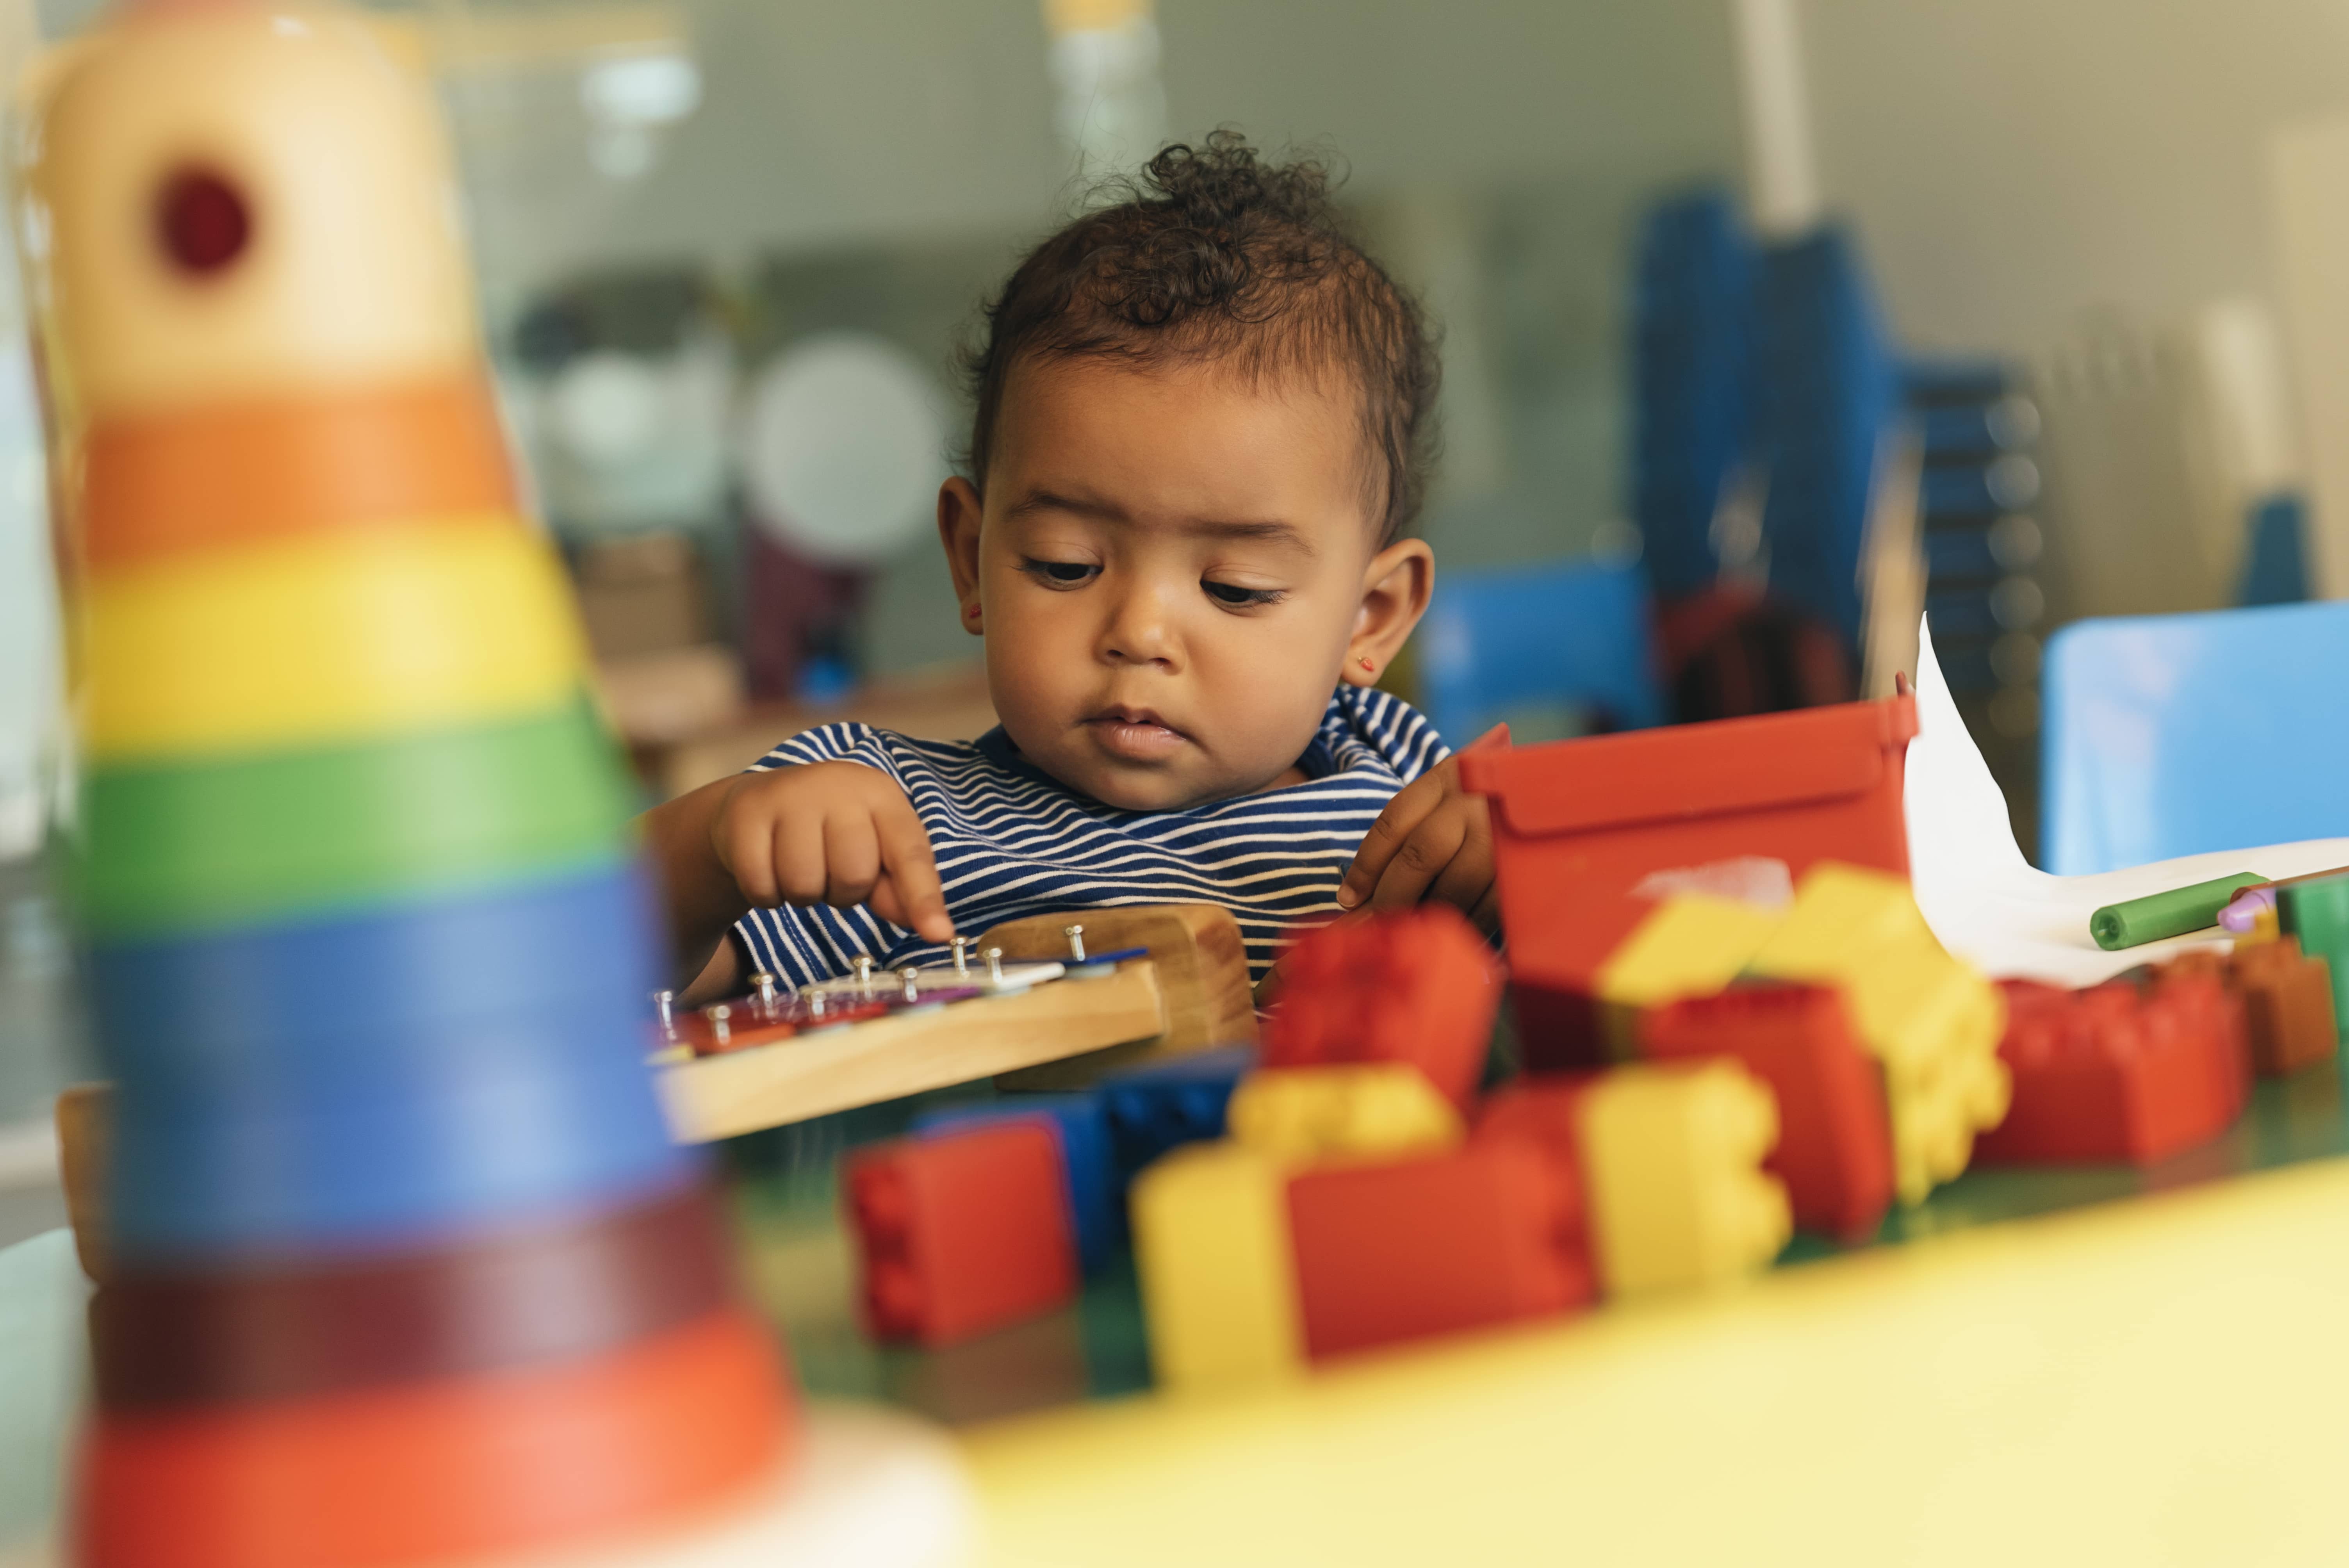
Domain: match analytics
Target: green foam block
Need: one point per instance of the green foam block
(2318, 913)
(206, 845)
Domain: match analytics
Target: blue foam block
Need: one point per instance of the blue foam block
(543, 1113)
(409, 980)
(1153, 1108)
(1081, 1124)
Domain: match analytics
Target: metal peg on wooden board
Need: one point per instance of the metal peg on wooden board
(1076, 936)
(1202, 968)
(994, 956)
(961, 945)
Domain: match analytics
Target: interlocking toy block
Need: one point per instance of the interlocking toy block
(1404, 1249)
(1581, 827)
(2288, 1005)
(1692, 946)
(1835, 1142)
(1081, 1125)
(1932, 1022)
(960, 1232)
(1211, 1243)
(1179, 1101)
(2112, 1073)
(1672, 1156)
(1418, 986)
(2317, 913)
(1305, 1114)
(1543, 1107)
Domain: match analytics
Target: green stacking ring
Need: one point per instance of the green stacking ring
(196, 847)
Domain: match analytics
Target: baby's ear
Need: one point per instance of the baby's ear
(958, 518)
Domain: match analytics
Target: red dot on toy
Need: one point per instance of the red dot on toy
(202, 220)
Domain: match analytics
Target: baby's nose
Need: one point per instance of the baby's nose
(1141, 631)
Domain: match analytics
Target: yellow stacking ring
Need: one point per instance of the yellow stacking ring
(336, 637)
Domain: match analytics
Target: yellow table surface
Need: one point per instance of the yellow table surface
(2149, 1382)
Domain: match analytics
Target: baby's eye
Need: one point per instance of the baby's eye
(1239, 597)
(1061, 574)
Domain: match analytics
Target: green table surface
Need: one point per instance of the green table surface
(800, 1266)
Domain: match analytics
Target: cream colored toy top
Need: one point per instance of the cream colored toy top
(197, 251)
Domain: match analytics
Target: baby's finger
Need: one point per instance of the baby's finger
(1465, 879)
(751, 858)
(911, 871)
(852, 859)
(798, 859)
(1423, 859)
(1411, 806)
(1487, 915)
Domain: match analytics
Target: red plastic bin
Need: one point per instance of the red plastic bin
(1580, 825)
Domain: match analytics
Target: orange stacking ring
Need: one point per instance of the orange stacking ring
(253, 471)
(537, 1458)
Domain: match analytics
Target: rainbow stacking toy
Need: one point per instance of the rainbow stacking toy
(403, 1264)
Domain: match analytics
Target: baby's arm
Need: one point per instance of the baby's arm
(819, 833)
(1434, 841)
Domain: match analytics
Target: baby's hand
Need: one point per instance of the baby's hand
(831, 832)
(1434, 841)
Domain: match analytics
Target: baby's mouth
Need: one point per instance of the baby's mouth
(1135, 734)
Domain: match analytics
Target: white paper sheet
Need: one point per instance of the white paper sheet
(1990, 907)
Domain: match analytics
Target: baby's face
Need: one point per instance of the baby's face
(1172, 570)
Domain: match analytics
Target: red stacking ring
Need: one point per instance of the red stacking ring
(235, 1334)
(546, 1456)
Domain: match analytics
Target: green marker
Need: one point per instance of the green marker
(2161, 914)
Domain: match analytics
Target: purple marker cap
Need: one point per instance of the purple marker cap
(2243, 911)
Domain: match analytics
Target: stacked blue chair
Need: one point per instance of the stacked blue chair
(1827, 390)
(1692, 298)
(2173, 735)
(1578, 633)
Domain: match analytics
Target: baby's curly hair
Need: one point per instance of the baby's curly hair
(1217, 254)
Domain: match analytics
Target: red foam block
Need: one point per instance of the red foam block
(1409, 1248)
(1418, 985)
(1835, 1138)
(961, 1233)
(2108, 1074)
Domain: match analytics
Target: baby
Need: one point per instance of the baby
(1202, 424)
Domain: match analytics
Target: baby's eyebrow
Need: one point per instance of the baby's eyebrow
(1272, 532)
(1287, 533)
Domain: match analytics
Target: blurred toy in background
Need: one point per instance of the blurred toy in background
(402, 1264)
(621, 391)
(840, 446)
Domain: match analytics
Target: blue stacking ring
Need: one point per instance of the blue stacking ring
(542, 1114)
(400, 984)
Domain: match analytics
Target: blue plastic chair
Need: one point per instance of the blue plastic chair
(2172, 734)
(1498, 643)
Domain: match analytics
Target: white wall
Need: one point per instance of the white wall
(827, 124)
(2012, 163)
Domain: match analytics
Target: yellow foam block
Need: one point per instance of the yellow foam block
(1218, 1286)
(1932, 1022)
(1304, 1114)
(1691, 944)
(1673, 1158)
(359, 633)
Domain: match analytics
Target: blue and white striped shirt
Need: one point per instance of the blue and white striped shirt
(1012, 842)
